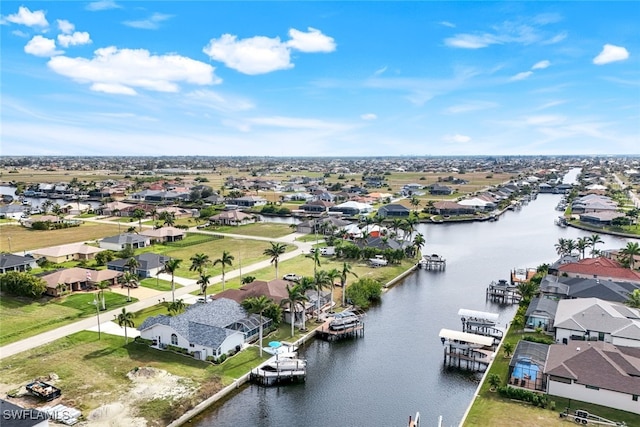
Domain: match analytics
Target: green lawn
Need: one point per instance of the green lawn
(23, 318)
(262, 229)
(158, 285)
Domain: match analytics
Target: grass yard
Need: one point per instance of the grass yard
(158, 285)
(261, 229)
(23, 318)
(25, 239)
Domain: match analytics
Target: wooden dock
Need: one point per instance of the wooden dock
(433, 262)
(325, 333)
(268, 378)
(503, 292)
(467, 351)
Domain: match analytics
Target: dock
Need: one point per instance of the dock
(467, 351)
(503, 292)
(481, 323)
(279, 370)
(327, 334)
(432, 262)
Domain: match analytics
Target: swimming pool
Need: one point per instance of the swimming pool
(525, 369)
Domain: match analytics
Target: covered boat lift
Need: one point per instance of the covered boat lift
(481, 323)
(466, 350)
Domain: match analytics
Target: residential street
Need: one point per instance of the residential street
(189, 285)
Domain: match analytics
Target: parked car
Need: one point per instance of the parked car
(292, 277)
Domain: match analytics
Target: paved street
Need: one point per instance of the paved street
(189, 285)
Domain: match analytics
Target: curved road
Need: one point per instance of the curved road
(189, 286)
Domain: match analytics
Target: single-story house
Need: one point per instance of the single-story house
(53, 219)
(77, 279)
(394, 210)
(600, 218)
(317, 206)
(440, 190)
(447, 207)
(352, 208)
(206, 330)
(233, 217)
(599, 268)
(576, 287)
(68, 252)
(247, 201)
(125, 240)
(11, 262)
(540, 314)
(164, 234)
(595, 372)
(150, 264)
(593, 319)
(12, 211)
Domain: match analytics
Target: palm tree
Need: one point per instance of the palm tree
(527, 290)
(396, 225)
(414, 202)
(274, 252)
(225, 260)
(102, 286)
(508, 348)
(198, 262)
(494, 381)
(332, 275)
(316, 261)
(204, 281)
(306, 284)
(321, 280)
(593, 241)
(170, 267)
(418, 242)
(346, 269)
(177, 306)
(410, 226)
(582, 244)
(125, 318)
(634, 299)
(138, 214)
(130, 280)
(629, 253)
(257, 305)
(295, 298)
(132, 264)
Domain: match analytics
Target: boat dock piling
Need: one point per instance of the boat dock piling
(467, 351)
(433, 262)
(503, 292)
(327, 334)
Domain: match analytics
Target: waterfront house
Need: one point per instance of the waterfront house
(68, 252)
(600, 219)
(556, 287)
(540, 314)
(393, 210)
(440, 190)
(599, 268)
(205, 330)
(352, 208)
(233, 217)
(247, 201)
(12, 212)
(124, 240)
(150, 264)
(11, 262)
(317, 206)
(447, 208)
(595, 372)
(77, 279)
(593, 319)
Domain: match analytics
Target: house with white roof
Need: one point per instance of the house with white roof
(593, 319)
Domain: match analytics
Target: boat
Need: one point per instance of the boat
(285, 365)
(561, 221)
(378, 261)
(344, 320)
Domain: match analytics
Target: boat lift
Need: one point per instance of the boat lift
(585, 418)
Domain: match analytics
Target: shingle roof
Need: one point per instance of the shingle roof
(11, 260)
(126, 239)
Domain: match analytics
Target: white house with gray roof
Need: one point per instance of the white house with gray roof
(205, 329)
(124, 240)
(597, 320)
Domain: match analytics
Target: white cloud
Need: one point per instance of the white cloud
(611, 53)
(102, 5)
(457, 138)
(380, 71)
(469, 107)
(65, 26)
(255, 55)
(470, 41)
(41, 46)
(548, 120)
(368, 116)
(521, 76)
(541, 65)
(121, 71)
(151, 23)
(217, 101)
(77, 38)
(313, 41)
(555, 39)
(20, 33)
(447, 24)
(28, 18)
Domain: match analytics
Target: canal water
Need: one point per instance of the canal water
(397, 369)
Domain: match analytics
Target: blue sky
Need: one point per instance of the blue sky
(304, 78)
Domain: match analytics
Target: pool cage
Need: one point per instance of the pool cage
(250, 326)
(527, 363)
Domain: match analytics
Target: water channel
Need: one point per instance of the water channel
(397, 368)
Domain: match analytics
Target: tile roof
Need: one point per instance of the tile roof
(602, 267)
(70, 249)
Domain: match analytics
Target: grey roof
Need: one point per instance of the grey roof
(204, 324)
(394, 207)
(11, 260)
(9, 209)
(592, 314)
(542, 306)
(147, 261)
(126, 239)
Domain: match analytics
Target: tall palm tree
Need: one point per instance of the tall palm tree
(633, 300)
(198, 262)
(414, 202)
(316, 261)
(125, 318)
(177, 306)
(410, 226)
(396, 225)
(257, 305)
(629, 253)
(593, 241)
(346, 269)
(274, 252)
(295, 298)
(321, 281)
(225, 260)
(102, 286)
(418, 242)
(132, 264)
(138, 214)
(130, 280)
(332, 275)
(204, 281)
(306, 284)
(170, 267)
(582, 244)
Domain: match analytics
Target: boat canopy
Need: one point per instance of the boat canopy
(466, 337)
(478, 314)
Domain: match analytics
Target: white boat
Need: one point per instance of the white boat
(378, 261)
(344, 320)
(285, 365)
